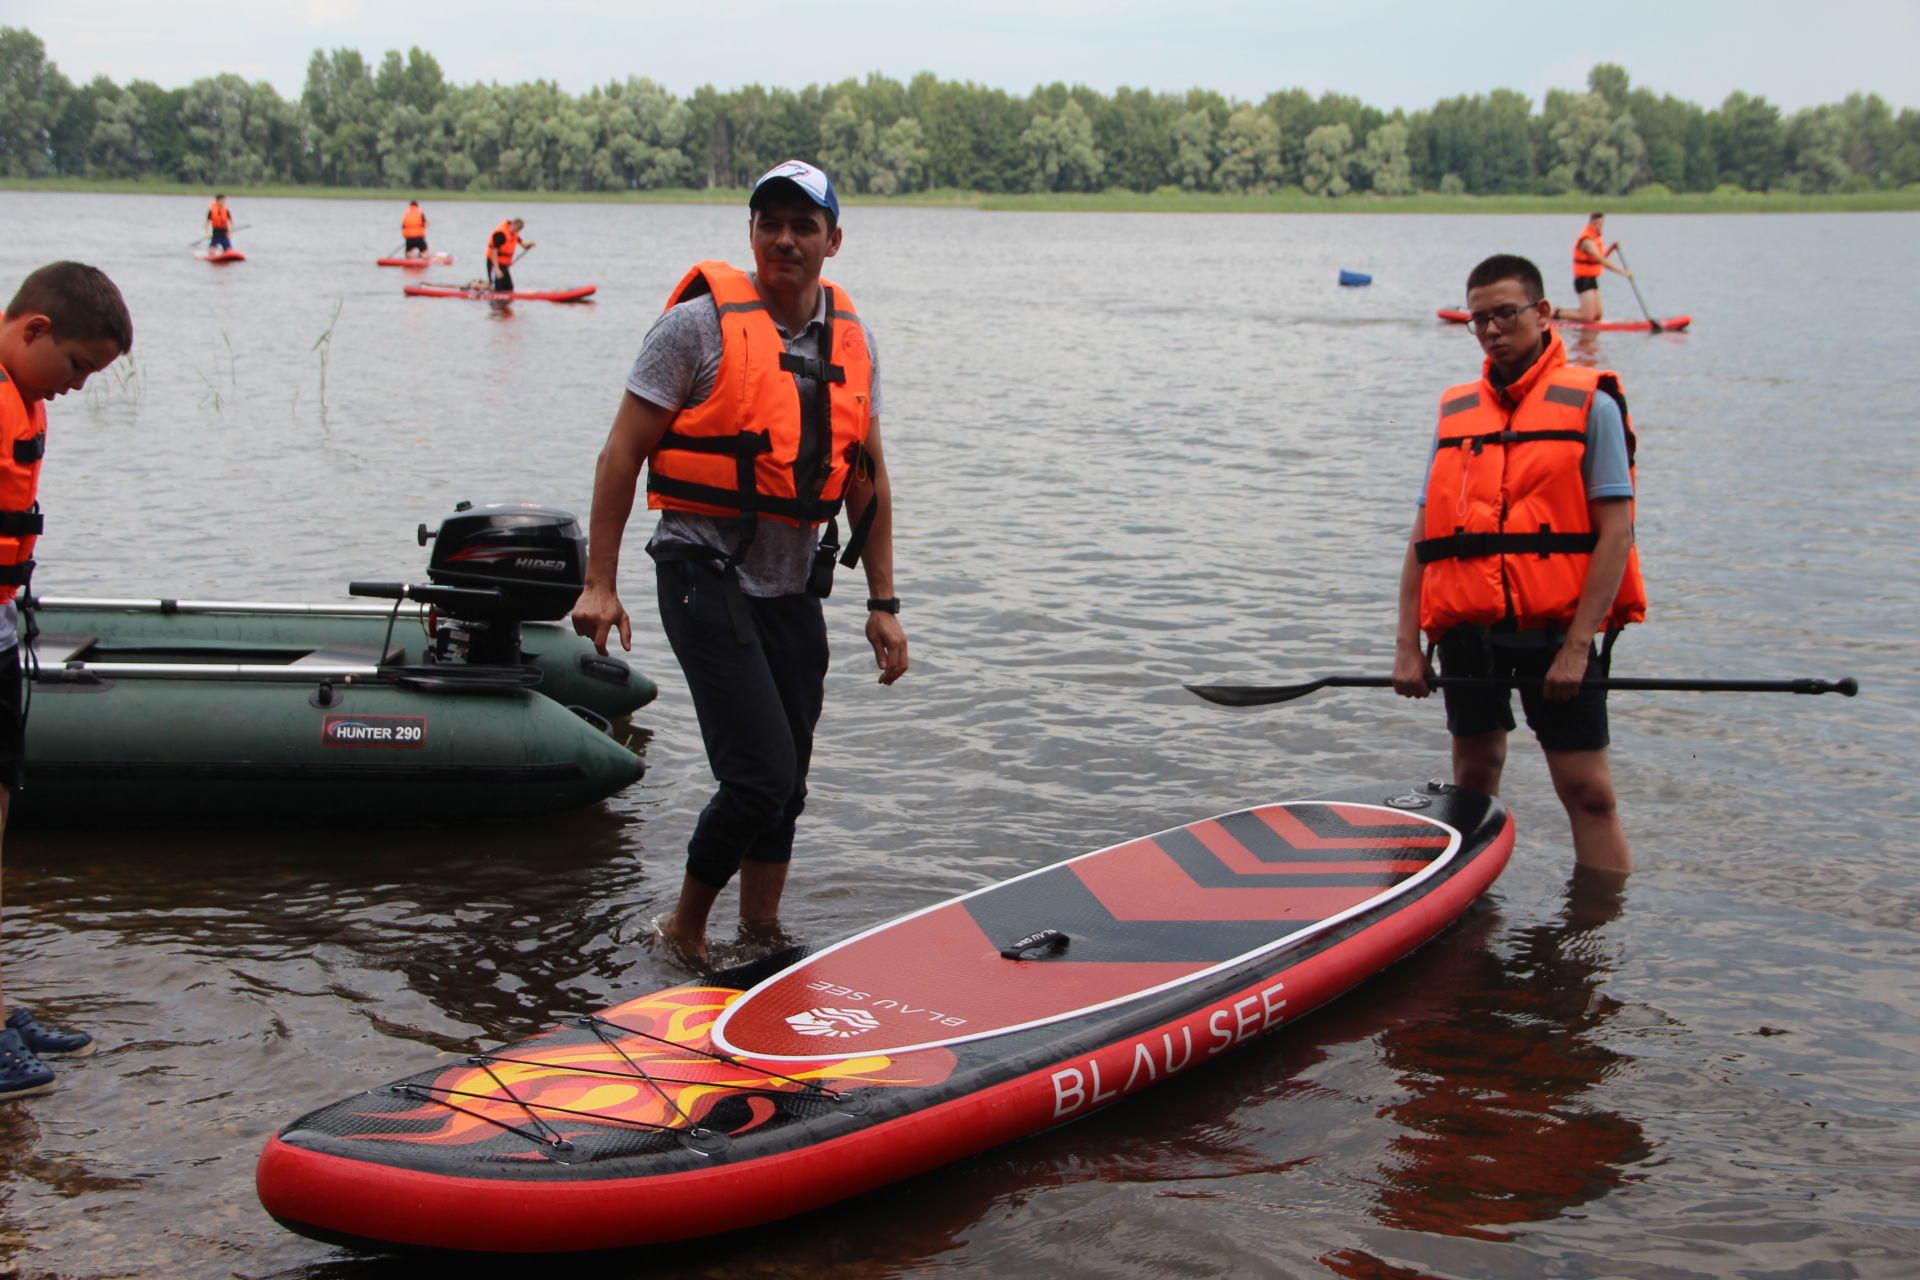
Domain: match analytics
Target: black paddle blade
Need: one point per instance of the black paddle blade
(1241, 695)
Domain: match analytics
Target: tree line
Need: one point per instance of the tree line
(401, 124)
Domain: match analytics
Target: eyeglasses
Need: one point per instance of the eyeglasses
(1501, 318)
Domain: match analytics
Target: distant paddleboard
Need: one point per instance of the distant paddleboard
(1452, 316)
(431, 260)
(219, 255)
(796, 1081)
(495, 295)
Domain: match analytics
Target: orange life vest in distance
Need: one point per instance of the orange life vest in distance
(752, 445)
(1506, 533)
(220, 216)
(501, 255)
(1585, 265)
(413, 223)
(23, 439)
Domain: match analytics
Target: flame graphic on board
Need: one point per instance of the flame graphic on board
(591, 1076)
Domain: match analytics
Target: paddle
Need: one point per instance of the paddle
(1636, 290)
(195, 244)
(1241, 695)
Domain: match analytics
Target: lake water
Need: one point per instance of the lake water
(1129, 451)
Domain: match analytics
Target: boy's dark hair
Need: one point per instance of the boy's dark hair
(1595, 217)
(82, 303)
(1508, 266)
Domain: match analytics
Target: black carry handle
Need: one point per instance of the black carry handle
(1052, 939)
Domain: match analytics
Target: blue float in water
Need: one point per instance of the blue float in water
(1354, 277)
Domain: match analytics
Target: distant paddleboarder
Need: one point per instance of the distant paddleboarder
(413, 226)
(1522, 552)
(502, 246)
(219, 225)
(1591, 255)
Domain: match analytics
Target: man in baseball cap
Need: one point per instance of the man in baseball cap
(797, 175)
(754, 434)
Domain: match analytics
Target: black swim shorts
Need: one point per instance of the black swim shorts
(12, 731)
(1577, 724)
(1583, 283)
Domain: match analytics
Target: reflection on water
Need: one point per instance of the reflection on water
(1129, 452)
(1497, 1129)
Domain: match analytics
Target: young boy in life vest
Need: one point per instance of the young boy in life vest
(413, 229)
(66, 323)
(1522, 553)
(502, 246)
(1590, 257)
(219, 225)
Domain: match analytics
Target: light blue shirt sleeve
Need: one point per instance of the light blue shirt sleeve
(1603, 466)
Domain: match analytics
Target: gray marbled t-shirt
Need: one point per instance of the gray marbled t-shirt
(675, 369)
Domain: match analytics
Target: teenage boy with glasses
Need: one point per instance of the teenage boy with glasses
(1522, 553)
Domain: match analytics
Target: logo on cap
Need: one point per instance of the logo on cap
(813, 182)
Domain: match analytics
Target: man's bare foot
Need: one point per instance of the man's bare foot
(689, 951)
(757, 938)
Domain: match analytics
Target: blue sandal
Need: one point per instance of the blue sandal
(47, 1042)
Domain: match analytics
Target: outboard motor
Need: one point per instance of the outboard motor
(495, 567)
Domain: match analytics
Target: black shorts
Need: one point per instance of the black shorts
(1582, 284)
(1577, 724)
(417, 242)
(12, 731)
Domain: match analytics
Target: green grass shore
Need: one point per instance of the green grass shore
(1725, 200)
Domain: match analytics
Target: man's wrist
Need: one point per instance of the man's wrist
(883, 604)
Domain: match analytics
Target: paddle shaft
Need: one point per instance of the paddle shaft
(1621, 254)
(1256, 695)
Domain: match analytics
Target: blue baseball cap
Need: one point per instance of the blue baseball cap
(811, 182)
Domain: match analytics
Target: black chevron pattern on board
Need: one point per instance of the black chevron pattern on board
(1325, 822)
(1058, 899)
(1207, 870)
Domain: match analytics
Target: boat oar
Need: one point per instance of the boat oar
(1243, 695)
(1618, 252)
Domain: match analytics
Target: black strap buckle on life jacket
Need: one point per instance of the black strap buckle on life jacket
(30, 450)
(22, 524)
(818, 368)
(16, 575)
(1460, 545)
(1511, 437)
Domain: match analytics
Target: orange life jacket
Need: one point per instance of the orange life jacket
(501, 255)
(220, 216)
(413, 223)
(1507, 534)
(1585, 265)
(752, 445)
(23, 438)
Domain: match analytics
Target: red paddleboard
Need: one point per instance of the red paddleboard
(495, 295)
(786, 1084)
(431, 260)
(1672, 323)
(219, 255)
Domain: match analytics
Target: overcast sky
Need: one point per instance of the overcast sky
(1389, 53)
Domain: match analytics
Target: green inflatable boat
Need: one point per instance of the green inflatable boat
(462, 699)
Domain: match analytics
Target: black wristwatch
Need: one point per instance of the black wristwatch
(890, 605)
